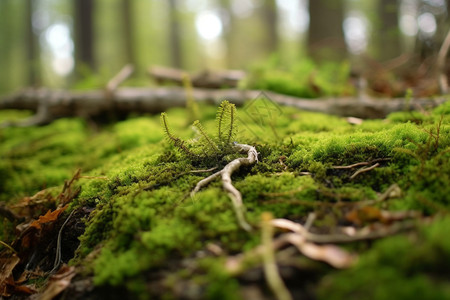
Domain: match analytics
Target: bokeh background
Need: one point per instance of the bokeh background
(83, 43)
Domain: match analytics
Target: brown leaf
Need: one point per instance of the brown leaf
(50, 216)
(58, 282)
(363, 215)
(7, 265)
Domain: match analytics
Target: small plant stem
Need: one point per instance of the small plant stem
(273, 278)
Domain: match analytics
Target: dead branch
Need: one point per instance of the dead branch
(50, 105)
(273, 277)
(226, 172)
(364, 163)
(205, 79)
(366, 233)
(331, 254)
(120, 77)
(362, 170)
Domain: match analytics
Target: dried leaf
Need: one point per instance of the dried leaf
(58, 282)
(50, 216)
(7, 265)
(364, 215)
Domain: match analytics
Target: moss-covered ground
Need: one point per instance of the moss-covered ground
(146, 237)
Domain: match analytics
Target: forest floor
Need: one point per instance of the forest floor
(336, 208)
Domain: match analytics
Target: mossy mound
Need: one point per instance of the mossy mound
(148, 236)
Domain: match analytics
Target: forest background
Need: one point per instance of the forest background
(83, 43)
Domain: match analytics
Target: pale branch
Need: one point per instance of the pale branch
(331, 254)
(366, 233)
(54, 104)
(225, 173)
(120, 77)
(273, 277)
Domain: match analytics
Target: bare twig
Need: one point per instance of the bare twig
(120, 77)
(364, 163)
(8, 246)
(226, 172)
(273, 277)
(58, 245)
(366, 233)
(362, 170)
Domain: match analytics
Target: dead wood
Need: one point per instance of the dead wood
(204, 79)
(53, 104)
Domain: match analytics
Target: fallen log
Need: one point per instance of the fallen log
(49, 105)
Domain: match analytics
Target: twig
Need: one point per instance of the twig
(273, 277)
(120, 77)
(8, 246)
(310, 220)
(58, 244)
(203, 171)
(364, 163)
(364, 170)
(366, 233)
(225, 173)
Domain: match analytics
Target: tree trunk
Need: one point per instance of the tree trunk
(387, 35)
(326, 34)
(271, 21)
(32, 49)
(84, 33)
(127, 11)
(174, 35)
(228, 22)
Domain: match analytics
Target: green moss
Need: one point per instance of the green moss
(303, 78)
(145, 223)
(403, 267)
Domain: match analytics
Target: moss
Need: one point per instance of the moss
(146, 224)
(402, 267)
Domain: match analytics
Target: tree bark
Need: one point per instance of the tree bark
(127, 12)
(326, 34)
(32, 49)
(387, 36)
(174, 35)
(271, 21)
(53, 104)
(84, 33)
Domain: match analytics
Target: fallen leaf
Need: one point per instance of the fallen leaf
(7, 265)
(58, 282)
(49, 217)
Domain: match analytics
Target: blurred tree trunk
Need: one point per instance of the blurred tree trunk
(32, 47)
(270, 15)
(228, 22)
(387, 33)
(326, 34)
(174, 35)
(84, 33)
(127, 17)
